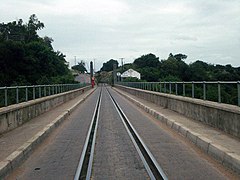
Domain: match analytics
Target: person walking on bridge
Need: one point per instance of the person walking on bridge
(93, 82)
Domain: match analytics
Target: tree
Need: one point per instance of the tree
(174, 67)
(180, 57)
(33, 26)
(198, 71)
(149, 60)
(108, 66)
(80, 67)
(31, 59)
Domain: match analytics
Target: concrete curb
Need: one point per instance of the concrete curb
(22, 153)
(221, 154)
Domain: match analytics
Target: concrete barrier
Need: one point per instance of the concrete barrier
(222, 116)
(16, 115)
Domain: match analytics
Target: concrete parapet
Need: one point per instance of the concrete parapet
(222, 116)
(16, 115)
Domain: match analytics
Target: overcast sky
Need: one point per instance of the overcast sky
(207, 30)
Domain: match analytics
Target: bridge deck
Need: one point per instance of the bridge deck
(163, 143)
(11, 141)
(217, 143)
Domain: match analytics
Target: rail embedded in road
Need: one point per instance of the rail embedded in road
(153, 168)
(85, 164)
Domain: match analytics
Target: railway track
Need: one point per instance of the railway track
(84, 169)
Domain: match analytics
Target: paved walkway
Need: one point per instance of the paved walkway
(11, 141)
(218, 144)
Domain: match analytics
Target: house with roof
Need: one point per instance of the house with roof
(131, 73)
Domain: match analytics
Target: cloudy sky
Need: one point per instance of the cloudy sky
(207, 30)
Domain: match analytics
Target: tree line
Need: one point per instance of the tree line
(175, 69)
(28, 59)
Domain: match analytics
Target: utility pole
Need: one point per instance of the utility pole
(122, 63)
(94, 66)
(91, 69)
(75, 60)
(114, 73)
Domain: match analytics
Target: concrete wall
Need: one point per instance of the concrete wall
(222, 116)
(15, 115)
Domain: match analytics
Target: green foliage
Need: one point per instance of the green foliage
(149, 74)
(174, 69)
(149, 60)
(170, 78)
(108, 66)
(104, 77)
(179, 56)
(26, 58)
(132, 79)
(80, 67)
(125, 67)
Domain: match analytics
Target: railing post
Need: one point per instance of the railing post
(165, 89)
(17, 95)
(238, 87)
(219, 92)
(6, 96)
(49, 90)
(39, 92)
(26, 93)
(204, 90)
(170, 87)
(192, 89)
(184, 89)
(160, 86)
(176, 88)
(34, 92)
(45, 93)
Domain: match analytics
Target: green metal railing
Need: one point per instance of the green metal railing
(217, 91)
(17, 94)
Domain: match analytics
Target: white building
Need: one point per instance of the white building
(131, 73)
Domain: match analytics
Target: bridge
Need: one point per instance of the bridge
(129, 131)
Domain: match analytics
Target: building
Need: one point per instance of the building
(131, 73)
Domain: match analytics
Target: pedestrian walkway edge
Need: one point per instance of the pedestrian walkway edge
(221, 154)
(22, 153)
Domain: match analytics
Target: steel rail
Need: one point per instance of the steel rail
(153, 168)
(84, 168)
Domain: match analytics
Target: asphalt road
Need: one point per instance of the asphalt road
(115, 156)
